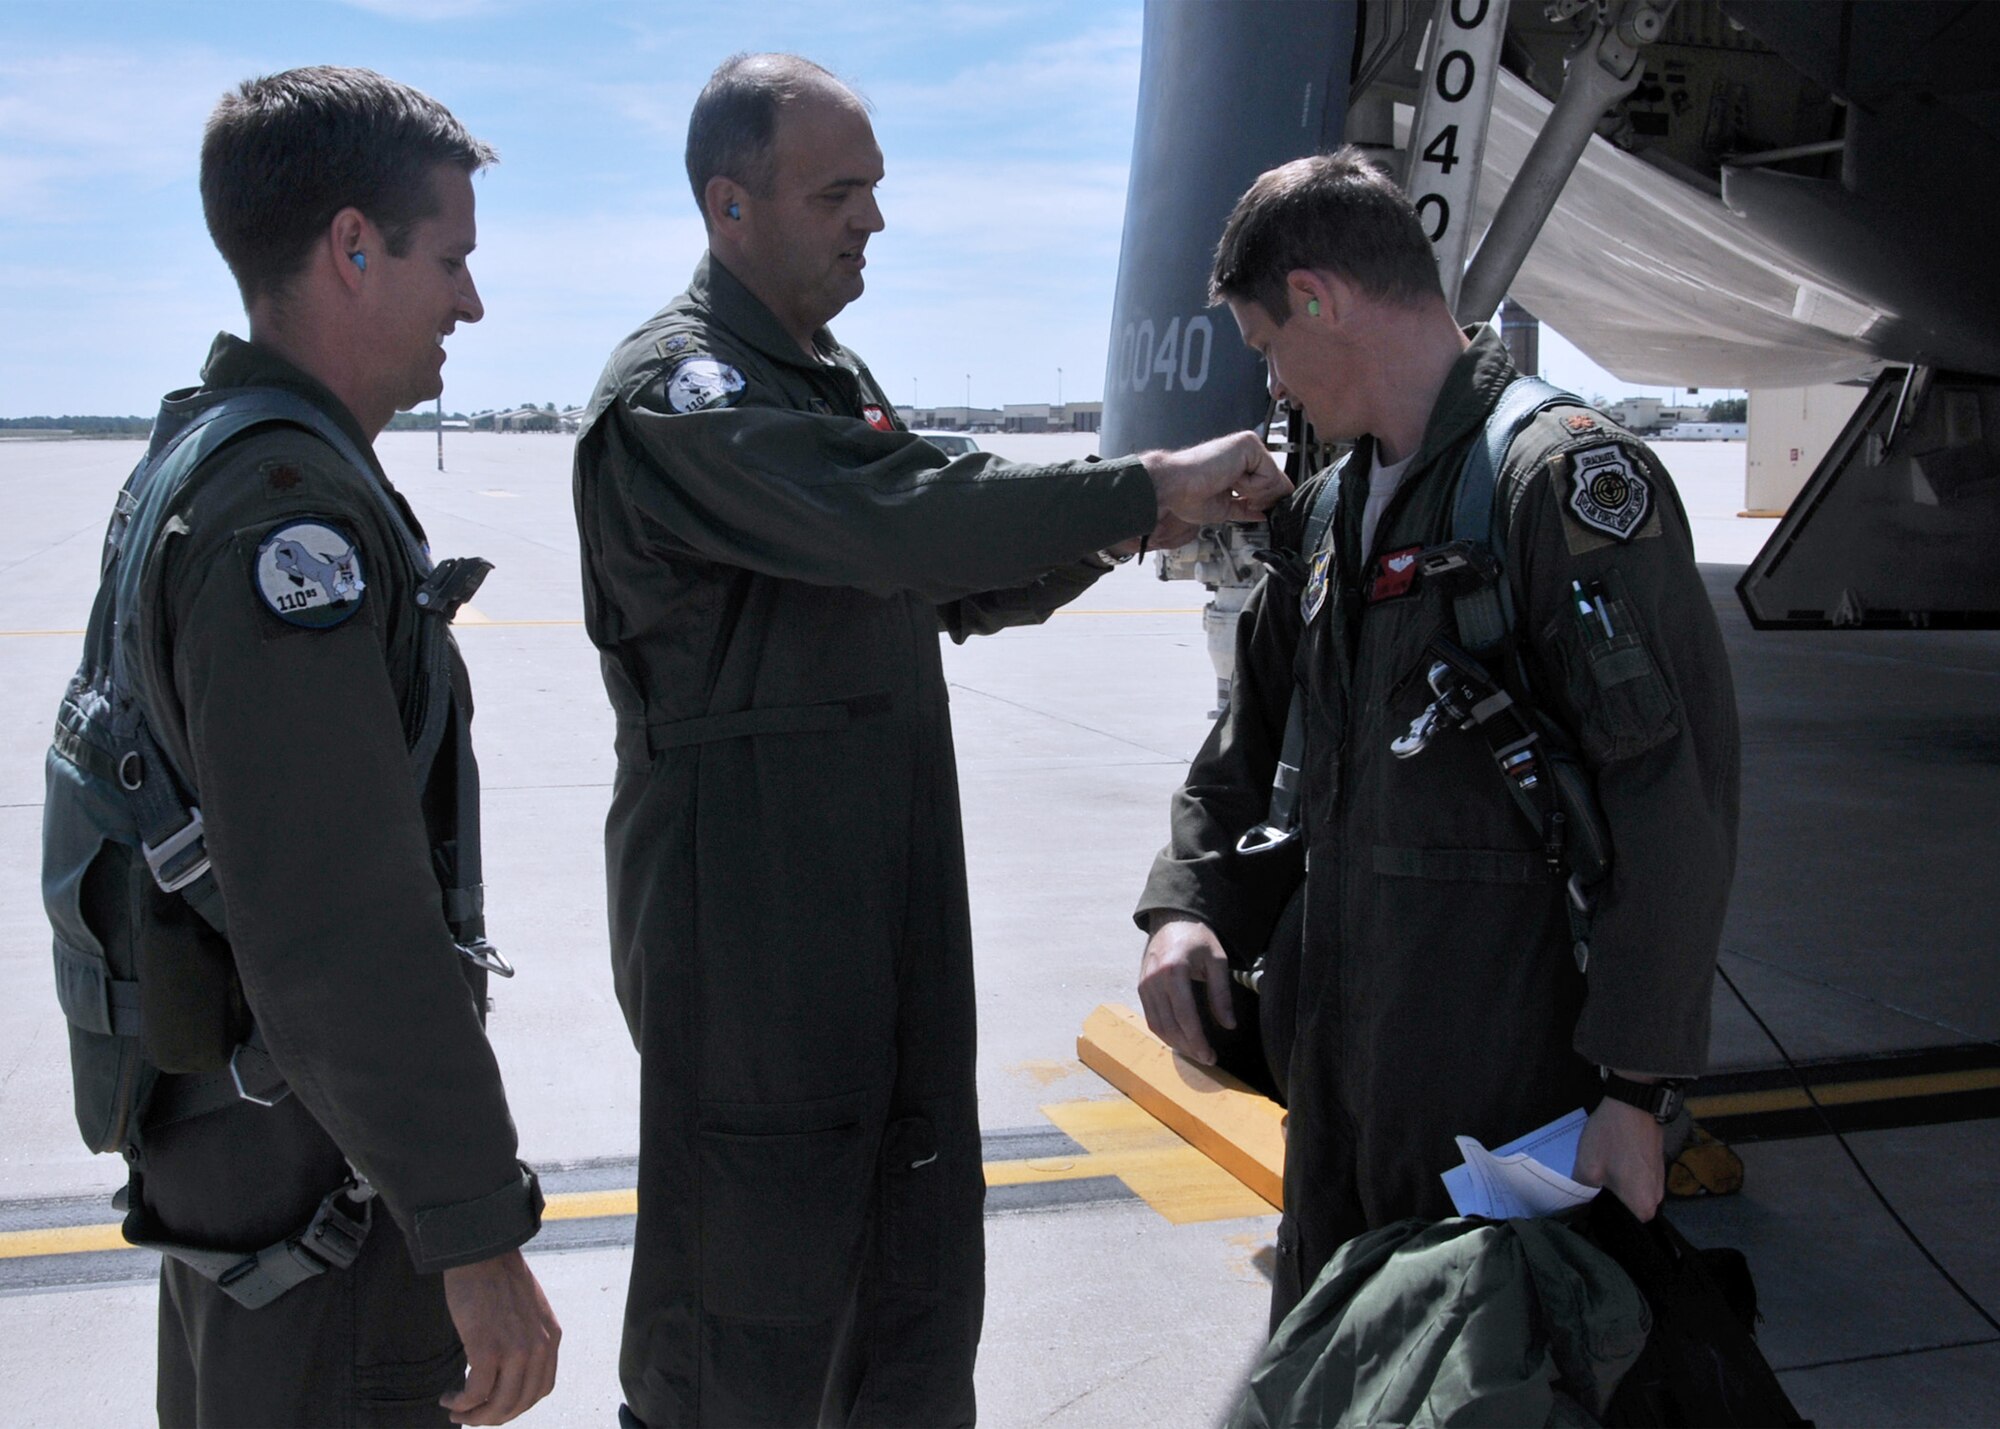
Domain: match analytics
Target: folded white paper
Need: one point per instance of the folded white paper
(1529, 1176)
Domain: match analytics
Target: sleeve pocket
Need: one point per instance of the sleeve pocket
(1621, 703)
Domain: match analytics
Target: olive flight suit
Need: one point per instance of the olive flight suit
(1436, 992)
(767, 562)
(322, 847)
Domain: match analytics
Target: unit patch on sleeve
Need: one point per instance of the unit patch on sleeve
(1314, 595)
(700, 383)
(1606, 492)
(875, 417)
(308, 573)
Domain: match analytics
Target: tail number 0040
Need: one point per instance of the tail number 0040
(1180, 352)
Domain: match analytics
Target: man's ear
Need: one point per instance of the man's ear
(352, 242)
(1317, 296)
(722, 201)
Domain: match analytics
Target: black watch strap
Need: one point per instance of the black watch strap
(1660, 1100)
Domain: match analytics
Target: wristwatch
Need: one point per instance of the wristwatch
(1661, 1100)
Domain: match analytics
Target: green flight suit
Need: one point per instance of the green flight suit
(767, 562)
(322, 847)
(1436, 993)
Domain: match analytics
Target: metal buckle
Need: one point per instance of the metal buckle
(236, 1076)
(172, 848)
(483, 954)
(1266, 837)
(332, 1235)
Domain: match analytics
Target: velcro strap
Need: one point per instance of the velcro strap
(471, 1230)
(663, 735)
(90, 997)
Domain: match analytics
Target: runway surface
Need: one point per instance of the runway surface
(1126, 1272)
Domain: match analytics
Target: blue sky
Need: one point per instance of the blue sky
(1007, 128)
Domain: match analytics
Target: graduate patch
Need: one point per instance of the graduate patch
(1606, 492)
(700, 383)
(1314, 595)
(875, 417)
(1395, 573)
(308, 573)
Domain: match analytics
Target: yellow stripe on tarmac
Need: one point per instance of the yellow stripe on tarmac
(1882, 1089)
(61, 1240)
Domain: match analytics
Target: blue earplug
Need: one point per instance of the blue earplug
(734, 211)
(360, 260)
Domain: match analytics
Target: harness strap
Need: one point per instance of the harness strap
(331, 1240)
(1281, 818)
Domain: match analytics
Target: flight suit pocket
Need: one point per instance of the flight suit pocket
(912, 1203)
(784, 1193)
(1610, 679)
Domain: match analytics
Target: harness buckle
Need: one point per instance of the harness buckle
(483, 954)
(272, 1085)
(164, 858)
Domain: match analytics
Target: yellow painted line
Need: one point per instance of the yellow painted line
(1241, 1130)
(37, 634)
(1176, 1180)
(1882, 1089)
(62, 1240)
(589, 1205)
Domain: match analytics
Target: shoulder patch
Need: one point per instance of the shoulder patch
(1606, 491)
(1579, 421)
(699, 383)
(308, 573)
(1314, 595)
(280, 476)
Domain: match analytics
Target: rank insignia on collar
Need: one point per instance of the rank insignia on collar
(1607, 493)
(308, 573)
(1580, 421)
(875, 417)
(1314, 595)
(700, 383)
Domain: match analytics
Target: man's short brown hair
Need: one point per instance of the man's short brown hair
(735, 118)
(1333, 213)
(283, 154)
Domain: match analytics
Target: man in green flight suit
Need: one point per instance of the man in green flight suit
(767, 561)
(1440, 988)
(280, 649)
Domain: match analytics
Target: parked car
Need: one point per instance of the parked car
(952, 444)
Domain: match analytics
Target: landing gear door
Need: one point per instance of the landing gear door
(1226, 91)
(1899, 527)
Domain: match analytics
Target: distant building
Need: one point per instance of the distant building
(1639, 415)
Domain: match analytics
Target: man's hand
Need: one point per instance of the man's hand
(1620, 1149)
(510, 1338)
(1181, 953)
(1229, 479)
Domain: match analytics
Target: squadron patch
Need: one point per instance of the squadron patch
(1314, 595)
(700, 383)
(875, 417)
(308, 573)
(1607, 493)
(674, 344)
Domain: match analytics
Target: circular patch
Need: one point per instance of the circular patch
(700, 383)
(1610, 489)
(308, 573)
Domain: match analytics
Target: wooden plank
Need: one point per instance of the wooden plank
(1238, 1129)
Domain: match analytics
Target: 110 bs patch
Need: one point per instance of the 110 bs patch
(308, 573)
(700, 383)
(1607, 493)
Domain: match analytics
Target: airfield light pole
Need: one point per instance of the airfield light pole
(1058, 386)
(440, 429)
(968, 401)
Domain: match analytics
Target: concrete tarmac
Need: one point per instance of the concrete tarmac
(1126, 1286)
